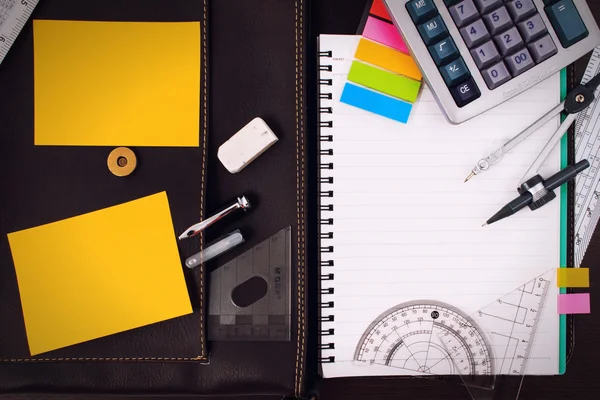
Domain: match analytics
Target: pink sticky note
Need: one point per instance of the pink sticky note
(384, 33)
(574, 303)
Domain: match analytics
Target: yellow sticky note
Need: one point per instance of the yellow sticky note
(116, 83)
(573, 277)
(388, 58)
(98, 274)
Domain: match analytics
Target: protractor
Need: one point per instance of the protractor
(427, 337)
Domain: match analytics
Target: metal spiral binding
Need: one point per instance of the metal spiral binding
(325, 196)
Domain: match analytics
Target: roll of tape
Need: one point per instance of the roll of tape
(122, 161)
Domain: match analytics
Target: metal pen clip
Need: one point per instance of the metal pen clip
(241, 203)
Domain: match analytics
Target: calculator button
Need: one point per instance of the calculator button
(509, 41)
(485, 55)
(542, 49)
(465, 93)
(532, 28)
(519, 62)
(475, 34)
(463, 13)
(487, 5)
(455, 72)
(567, 22)
(443, 52)
(449, 3)
(421, 10)
(521, 9)
(496, 75)
(498, 20)
(433, 30)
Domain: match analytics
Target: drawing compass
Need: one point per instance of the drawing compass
(576, 101)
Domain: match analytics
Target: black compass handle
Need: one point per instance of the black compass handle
(581, 96)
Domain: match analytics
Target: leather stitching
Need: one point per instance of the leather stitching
(202, 357)
(35, 360)
(298, 210)
(204, 140)
(300, 181)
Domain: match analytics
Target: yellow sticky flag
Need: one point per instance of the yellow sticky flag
(116, 83)
(98, 274)
(573, 277)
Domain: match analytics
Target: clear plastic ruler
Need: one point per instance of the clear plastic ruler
(587, 184)
(13, 16)
(510, 326)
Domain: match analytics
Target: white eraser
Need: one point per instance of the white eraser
(246, 145)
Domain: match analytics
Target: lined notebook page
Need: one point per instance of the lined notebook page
(407, 228)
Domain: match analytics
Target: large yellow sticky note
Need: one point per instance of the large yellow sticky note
(117, 83)
(99, 273)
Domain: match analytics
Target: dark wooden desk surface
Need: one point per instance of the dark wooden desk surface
(582, 379)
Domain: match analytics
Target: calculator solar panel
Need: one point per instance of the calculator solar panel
(476, 54)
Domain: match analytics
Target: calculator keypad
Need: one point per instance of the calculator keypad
(505, 38)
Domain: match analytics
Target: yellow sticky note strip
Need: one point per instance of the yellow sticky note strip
(573, 277)
(387, 58)
(116, 83)
(99, 274)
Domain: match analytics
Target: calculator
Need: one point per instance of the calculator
(476, 54)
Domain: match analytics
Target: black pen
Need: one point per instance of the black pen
(536, 192)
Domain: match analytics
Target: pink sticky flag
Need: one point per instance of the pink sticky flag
(384, 33)
(574, 303)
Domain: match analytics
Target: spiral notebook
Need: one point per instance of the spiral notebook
(398, 226)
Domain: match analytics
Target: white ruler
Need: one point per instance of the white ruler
(13, 16)
(587, 184)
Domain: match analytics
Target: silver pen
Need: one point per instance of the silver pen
(241, 203)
